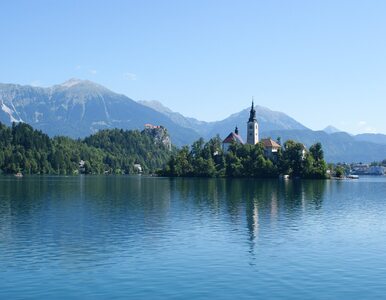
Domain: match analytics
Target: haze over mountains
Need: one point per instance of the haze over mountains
(78, 108)
(268, 120)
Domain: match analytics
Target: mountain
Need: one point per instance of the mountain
(268, 120)
(331, 129)
(78, 108)
(30, 151)
(376, 138)
(199, 126)
(338, 146)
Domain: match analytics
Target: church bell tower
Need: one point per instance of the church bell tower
(253, 127)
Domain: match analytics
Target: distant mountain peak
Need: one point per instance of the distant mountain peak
(176, 117)
(71, 82)
(79, 107)
(81, 84)
(154, 104)
(331, 129)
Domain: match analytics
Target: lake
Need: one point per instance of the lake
(94, 237)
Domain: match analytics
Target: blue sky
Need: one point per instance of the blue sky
(322, 62)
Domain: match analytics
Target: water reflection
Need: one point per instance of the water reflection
(270, 202)
(260, 202)
(144, 237)
(82, 215)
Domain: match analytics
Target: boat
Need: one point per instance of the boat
(352, 176)
(19, 175)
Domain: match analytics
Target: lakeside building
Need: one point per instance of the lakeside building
(138, 168)
(271, 147)
(376, 170)
(366, 169)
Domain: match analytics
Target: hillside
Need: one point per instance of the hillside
(376, 138)
(78, 108)
(268, 120)
(23, 149)
(338, 147)
(200, 127)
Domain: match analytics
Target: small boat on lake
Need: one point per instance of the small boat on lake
(352, 176)
(19, 175)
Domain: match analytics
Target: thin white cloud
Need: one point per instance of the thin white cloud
(130, 76)
(364, 127)
(93, 71)
(36, 83)
(78, 67)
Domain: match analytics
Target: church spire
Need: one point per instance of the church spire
(252, 113)
(252, 127)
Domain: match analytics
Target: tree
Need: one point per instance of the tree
(317, 152)
(208, 160)
(30, 151)
(292, 159)
(234, 167)
(87, 167)
(197, 147)
(339, 172)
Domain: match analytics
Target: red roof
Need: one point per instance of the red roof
(233, 137)
(268, 143)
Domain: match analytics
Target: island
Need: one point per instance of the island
(232, 157)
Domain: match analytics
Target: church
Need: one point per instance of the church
(270, 147)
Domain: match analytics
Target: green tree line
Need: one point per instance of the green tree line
(23, 149)
(209, 160)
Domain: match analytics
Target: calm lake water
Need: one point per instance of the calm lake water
(159, 238)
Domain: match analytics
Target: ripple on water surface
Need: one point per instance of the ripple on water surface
(159, 238)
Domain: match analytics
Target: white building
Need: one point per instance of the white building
(233, 137)
(253, 127)
(270, 148)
